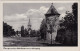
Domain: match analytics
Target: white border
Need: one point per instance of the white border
(54, 48)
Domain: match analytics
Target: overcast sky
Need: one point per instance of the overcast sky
(18, 14)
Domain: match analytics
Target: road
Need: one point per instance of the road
(22, 41)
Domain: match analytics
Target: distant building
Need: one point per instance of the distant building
(18, 33)
(26, 32)
(29, 27)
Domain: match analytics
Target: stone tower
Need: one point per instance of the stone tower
(52, 20)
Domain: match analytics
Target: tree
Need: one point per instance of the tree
(70, 25)
(8, 30)
(69, 21)
(75, 13)
(43, 29)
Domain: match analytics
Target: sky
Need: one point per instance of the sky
(18, 14)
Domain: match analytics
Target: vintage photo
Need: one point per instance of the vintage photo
(40, 24)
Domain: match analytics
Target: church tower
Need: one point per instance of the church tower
(29, 27)
(52, 20)
(29, 24)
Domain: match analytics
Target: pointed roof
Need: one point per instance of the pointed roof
(52, 11)
(29, 24)
(22, 26)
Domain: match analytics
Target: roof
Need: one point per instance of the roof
(29, 23)
(52, 11)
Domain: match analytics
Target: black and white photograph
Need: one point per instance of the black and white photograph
(40, 24)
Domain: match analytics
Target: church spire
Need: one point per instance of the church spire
(52, 11)
(29, 23)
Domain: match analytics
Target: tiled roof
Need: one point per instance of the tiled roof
(52, 10)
